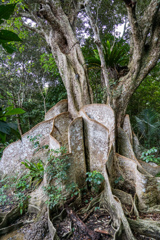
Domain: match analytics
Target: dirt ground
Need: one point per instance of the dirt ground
(97, 220)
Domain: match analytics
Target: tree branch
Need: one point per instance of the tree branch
(149, 15)
(136, 33)
(100, 51)
(130, 3)
(144, 57)
(34, 29)
(32, 15)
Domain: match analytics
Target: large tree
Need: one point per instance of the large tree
(56, 21)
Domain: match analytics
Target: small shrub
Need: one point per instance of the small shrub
(57, 165)
(3, 197)
(36, 170)
(22, 183)
(14, 192)
(150, 156)
(35, 140)
(36, 143)
(54, 194)
(95, 180)
(56, 171)
(73, 188)
(117, 180)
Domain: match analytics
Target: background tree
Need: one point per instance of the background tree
(145, 104)
(147, 94)
(26, 81)
(5, 38)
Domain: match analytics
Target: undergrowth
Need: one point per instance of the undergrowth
(16, 192)
(56, 171)
(151, 155)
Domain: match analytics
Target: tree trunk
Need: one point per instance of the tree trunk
(74, 75)
(18, 120)
(69, 58)
(19, 125)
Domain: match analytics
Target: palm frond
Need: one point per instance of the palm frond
(148, 125)
(114, 55)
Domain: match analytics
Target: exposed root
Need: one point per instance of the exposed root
(52, 229)
(11, 228)
(127, 199)
(138, 182)
(154, 209)
(60, 216)
(38, 230)
(114, 207)
(92, 203)
(145, 227)
(150, 169)
(89, 213)
(7, 219)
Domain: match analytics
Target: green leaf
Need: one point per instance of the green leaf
(9, 48)
(4, 127)
(15, 111)
(12, 125)
(99, 182)
(21, 211)
(26, 165)
(8, 36)
(6, 11)
(2, 137)
(9, 108)
(14, 130)
(119, 179)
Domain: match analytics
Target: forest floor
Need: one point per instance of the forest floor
(75, 225)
